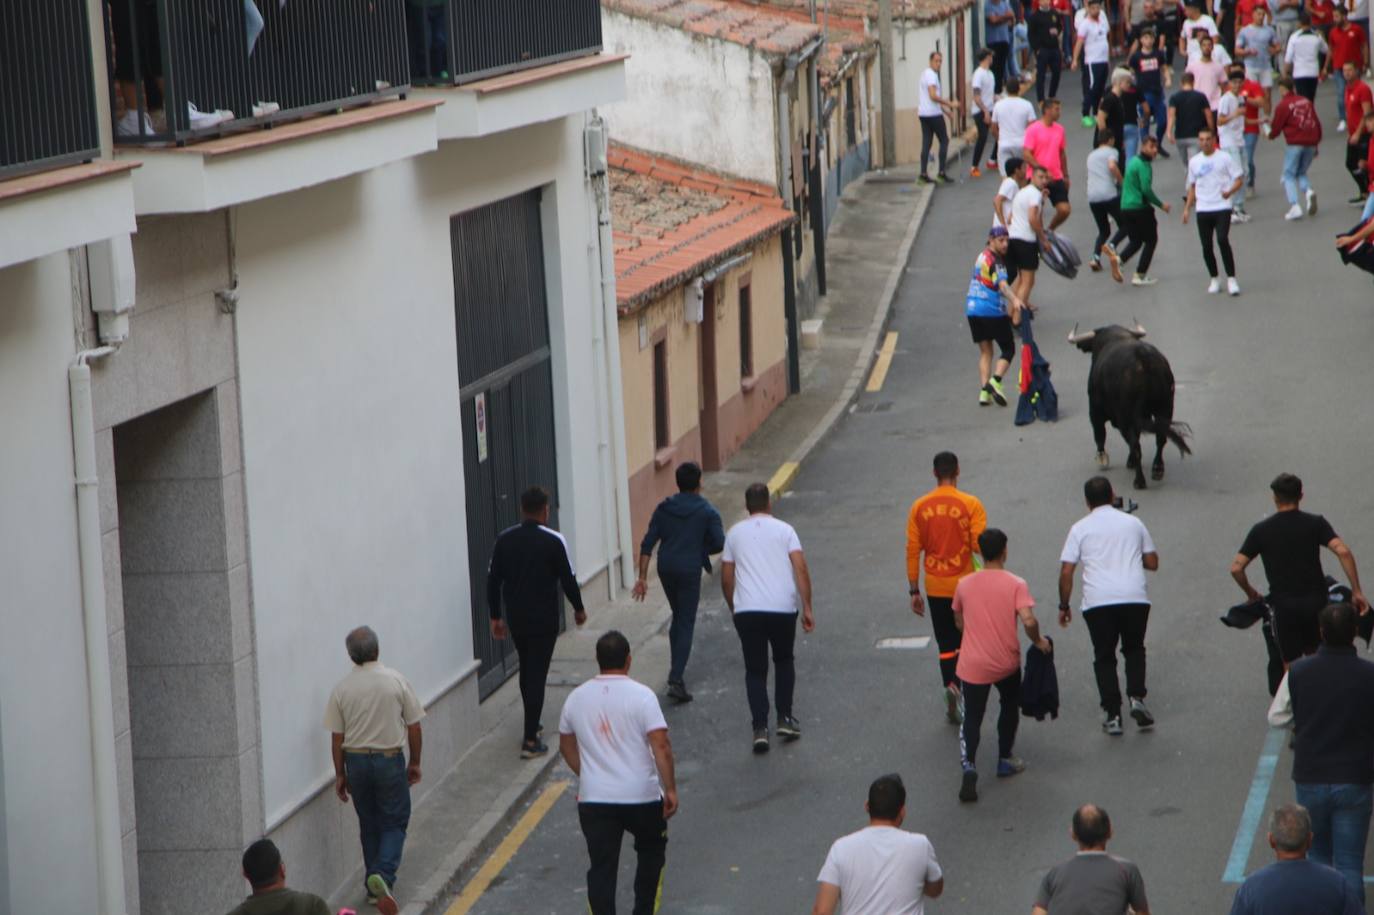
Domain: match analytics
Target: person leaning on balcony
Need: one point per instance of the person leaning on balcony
(372, 714)
(127, 19)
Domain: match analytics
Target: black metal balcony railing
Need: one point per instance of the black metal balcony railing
(47, 96)
(219, 65)
(459, 41)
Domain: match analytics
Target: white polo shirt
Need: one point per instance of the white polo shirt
(1109, 544)
(881, 870)
(612, 716)
(760, 546)
(927, 107)
(1094, 32)
(1304, 52)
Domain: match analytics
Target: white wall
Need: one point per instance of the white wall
(694, 98)
(920, 42)
(352, 441)
(43, 704)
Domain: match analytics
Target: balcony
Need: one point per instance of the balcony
(453, 42)
(47, 95)
(189, 69)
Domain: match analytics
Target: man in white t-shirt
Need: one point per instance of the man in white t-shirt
(881, 869)
(931, 108)
(1231, 134)
(763, 575)
(1195, 19)
(984, 96)
(1115, 551)
(1017, 176)
(1011, 115)
(1303, 57)
(1213, 180)
(1093, 48)
(613, 736)
(1026, 233)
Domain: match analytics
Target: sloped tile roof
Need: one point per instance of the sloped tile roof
(752, 25)
(672, 221)
(919, 11)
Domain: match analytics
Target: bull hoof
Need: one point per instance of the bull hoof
(1132, 464)
(1139, 482)
(1157, 472)
(1102, 460)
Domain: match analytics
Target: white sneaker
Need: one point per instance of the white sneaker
(1232, 287)
(202, 119)
(1340, 128)
(1239, 216)
(262, 109)
(1141, 279)
(1294, 212)
(1312, 203)
(128, 124)
(1214, 287)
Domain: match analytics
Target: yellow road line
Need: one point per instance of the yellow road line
(506, 850)
(783, 478)
(882, 363)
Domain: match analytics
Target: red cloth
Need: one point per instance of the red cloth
(1357, 94)
(1297, 120)
(1347, 43)
(1252, 92)
(1319, 10)
(1369, 164)
(1245, 10)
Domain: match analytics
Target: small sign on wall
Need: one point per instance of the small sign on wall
(480, 408)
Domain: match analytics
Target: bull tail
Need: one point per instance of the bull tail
(1179, 434)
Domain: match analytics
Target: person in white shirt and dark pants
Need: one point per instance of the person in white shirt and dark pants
(764, 577)
(1115, 551)
(613, 736)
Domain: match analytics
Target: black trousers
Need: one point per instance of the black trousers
(947, 636)
(1101, 211)
(975, 705)
(757, 633)
(536, 654)
(1295, 623)
(1048, 62)
(1306, 87)
(604, 827)
(980, 120)
(1216, 222)
(1354, 158)
(1094, 85)
(933, 126)
(1001, 50)
(683, 591)
(1143, 232)
(1108, 626)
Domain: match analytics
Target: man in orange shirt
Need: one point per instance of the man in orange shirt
(944, 525)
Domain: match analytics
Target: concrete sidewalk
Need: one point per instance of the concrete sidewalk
(473, 806)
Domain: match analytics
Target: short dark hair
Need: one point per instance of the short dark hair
(534, 500)
(688, 476)
(886, 797)
(1013, 165)
(1287, 488)
(1286, 82)
(1187, 79)
(946, 464)
(992, 543)
(1304, 18)
(1149, 138)
(933, 54)
(757, 497)
(1091, 826)
(1012, 84)
(1235, 73)
(1050, 102)
(1098, 491)
(262, 863)
(1337, 622)
(984, 54)
(612, 651)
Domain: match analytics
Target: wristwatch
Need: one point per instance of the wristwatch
(913, 591)
(1065, 607)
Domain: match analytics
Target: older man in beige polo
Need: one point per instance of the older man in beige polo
(372, 713)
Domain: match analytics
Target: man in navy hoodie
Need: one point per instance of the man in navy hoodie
(688, 531)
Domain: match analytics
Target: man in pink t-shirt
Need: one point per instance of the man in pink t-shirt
(1045, 145)
(987, 605)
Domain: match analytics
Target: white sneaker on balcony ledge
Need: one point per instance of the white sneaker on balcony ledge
(201, 119)
(128, 124)
(263, 109)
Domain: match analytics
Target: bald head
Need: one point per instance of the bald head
(362, 645)
(1091, 827)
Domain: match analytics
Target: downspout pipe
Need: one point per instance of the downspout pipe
(817, 192)
(789, 297)
(109, 847)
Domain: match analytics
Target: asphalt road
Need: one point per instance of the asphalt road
(1273, 380)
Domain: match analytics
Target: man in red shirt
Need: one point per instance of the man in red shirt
(1347, 42)
(1256, 100)
(1321, 12)
(1297, 121)
(1359, 101)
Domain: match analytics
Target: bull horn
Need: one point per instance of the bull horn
(1137, 331)
(1075, 337)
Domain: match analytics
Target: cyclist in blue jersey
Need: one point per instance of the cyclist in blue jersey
(989, 318)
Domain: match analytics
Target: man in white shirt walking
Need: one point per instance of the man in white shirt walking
(613, 736)
(1093, 48)
(1115, 551)
(1214, 177)
(931, 108)
(764, 577)
(984, 96)
(881, 869)
(1011, 115)
(1303, 57)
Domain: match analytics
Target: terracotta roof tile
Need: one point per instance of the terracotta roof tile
(672, 221)
(753, 25)
(920, 11)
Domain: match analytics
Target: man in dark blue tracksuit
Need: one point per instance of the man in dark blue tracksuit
(688, 531)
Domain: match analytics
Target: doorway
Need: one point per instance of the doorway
(709, 416)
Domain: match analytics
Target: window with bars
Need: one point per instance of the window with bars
(746, 330)
(661, 433)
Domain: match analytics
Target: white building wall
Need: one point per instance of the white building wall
(352, 442)
(695, 98)
(43, 700)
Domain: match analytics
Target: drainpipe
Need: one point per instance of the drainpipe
(109, 848)
(606, 334)
(789, 295)
(817, 194)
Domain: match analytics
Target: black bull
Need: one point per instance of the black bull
(1131, 386)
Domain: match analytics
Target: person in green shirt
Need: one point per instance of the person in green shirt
(1138, 200)
(263, 868)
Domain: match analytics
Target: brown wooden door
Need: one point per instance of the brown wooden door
(706, 341)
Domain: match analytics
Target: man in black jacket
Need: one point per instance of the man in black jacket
(688, 531)
(528, 564)
(1333, 751)
(1043, 28)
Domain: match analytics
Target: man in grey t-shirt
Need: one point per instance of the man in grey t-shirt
(1092, 882)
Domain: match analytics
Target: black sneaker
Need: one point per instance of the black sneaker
(942, 178)
(968, 788)
(1164, 153)
(532, 748)
(922, 179)
(1112, 725)
(789, 728)
(677, 691)
(1143, 719)
(760, 740)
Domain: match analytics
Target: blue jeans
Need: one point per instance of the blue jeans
(1237, 155)
(1340, 826)
(381, 798)
(1338, 79)
(1251, 139)
(1132, 135)
(1368, 209)
(684, 593)
(1296, 161)
(1158, 113)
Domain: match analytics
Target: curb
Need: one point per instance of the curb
(787, 473)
